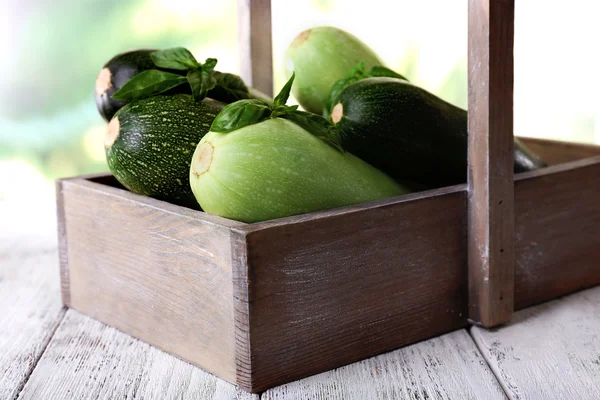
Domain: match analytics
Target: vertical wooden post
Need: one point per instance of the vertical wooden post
(256, 53)
(490, 175)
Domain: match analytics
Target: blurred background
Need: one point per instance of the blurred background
(53, 50)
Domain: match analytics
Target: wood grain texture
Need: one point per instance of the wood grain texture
(30, 305)
(557, 152)
(255, 41)
(551, 351)
(490, 170)
(159, 272)
(557, 231)
(117, 190)
(241, 306)
(352, 284)
(447, 367)
(62, 247)
(311, 292)
(89, 360)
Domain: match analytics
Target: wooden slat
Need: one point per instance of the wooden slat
(551, 351)
(159, 272)
(241, 314)
(557, 231)
(447, 367)
(62, 247)
(557, 152)
(255, 41)
(89, 360)
(30, 304)
(110, 186)
(354, 282)
(490, 172)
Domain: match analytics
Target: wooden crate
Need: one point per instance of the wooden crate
(267, 303)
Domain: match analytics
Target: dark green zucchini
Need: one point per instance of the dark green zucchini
(409, 133)
(117, 72)
(122, 67)
(149, 145)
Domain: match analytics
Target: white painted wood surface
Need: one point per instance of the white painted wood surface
(446, 367)
(30, 305)
(89, 360)
(551, 351)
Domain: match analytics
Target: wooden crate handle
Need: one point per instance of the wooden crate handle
(490, 170)
(255, 42)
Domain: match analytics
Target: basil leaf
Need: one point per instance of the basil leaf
(208, 82)
(148, 83)
(229, 88)
(209, 64)
(240, 114)
(381, 71)
(175, 58)
(194, 78)
(356, 73)
(357, 70)
(281, 110)
(201, 82)
(317, 126)
(202, 79)
(283, 95)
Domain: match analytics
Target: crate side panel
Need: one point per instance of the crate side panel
(62, 244)
(557, 152)
(557, 233)
(341, 288)
(161, 277)
(243, 358)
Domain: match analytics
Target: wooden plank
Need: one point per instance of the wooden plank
(351, 211)
(62, 247)
(490, 171)
(159, 272)
(320, 297)
(557, 152)
(30, 305)
(447, 367)
(241, 313)
(551, 351)
(557, 225)
(107, 184)
(89, 360)
(255, 41)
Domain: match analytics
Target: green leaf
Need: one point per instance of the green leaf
(317, 126)
(200, 82)
(176, 58)
(284, 94)
(209, 64)
(240, 114)
(381, 71)
(355, 74)
(148, 83)
(194, 78)
(281, 110)
(228, 88)
(202, 79)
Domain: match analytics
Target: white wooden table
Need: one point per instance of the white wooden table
(551, 351)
